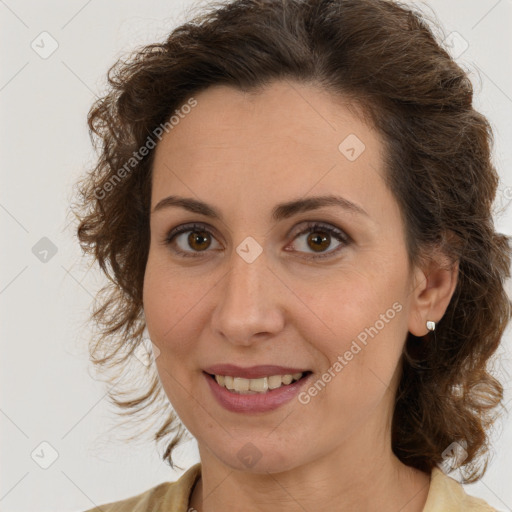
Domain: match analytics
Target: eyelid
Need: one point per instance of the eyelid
(339, 234)
(170, 237)
(312, 224)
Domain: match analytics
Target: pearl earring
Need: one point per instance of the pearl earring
(431, 325)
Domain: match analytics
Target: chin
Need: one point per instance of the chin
(251, 457)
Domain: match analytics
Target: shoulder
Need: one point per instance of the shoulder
(447, 495)
(165, 496)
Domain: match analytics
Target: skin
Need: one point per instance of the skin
(243, 154)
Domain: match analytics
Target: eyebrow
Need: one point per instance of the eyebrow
(279, 212)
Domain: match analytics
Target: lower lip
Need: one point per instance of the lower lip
(257, 402)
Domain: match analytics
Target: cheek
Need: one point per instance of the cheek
(169, 312)
(358, 323)
(169, 306)
(345, 302)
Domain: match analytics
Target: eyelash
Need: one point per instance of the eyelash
(339, 235)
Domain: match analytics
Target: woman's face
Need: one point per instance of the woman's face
(254, 286)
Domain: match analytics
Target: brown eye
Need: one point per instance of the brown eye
(190, 240)
(199, 240)
(318, 241)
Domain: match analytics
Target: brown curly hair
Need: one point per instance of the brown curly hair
(383, 55)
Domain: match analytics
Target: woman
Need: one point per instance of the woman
(293, 201)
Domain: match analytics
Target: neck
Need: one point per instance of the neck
(384, 485)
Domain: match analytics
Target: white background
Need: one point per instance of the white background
(47, 390)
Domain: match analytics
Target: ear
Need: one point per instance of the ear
(434, 285)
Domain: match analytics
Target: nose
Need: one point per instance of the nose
(248, 302)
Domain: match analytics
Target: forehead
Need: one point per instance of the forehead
(286, 139)
(303, 113)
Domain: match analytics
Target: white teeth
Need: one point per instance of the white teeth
(251, 386)
(274, 381)
(287, 379)
(228, 381)
(259, 385)
(241, 385)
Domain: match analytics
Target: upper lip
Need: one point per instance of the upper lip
(251, 372)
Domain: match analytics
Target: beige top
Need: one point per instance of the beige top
(444, 495)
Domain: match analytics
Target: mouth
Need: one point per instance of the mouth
(261, 385)
(255, 395)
